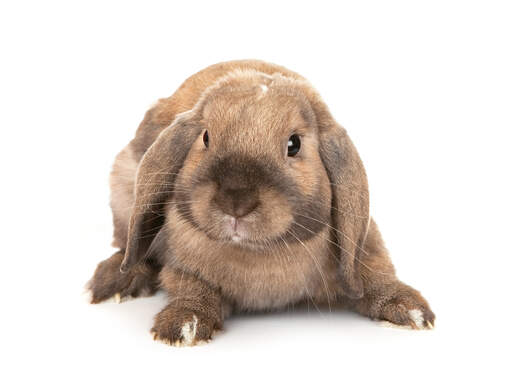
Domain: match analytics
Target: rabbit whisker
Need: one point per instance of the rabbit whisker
(304, 279)
(319, 269)
(342, 248)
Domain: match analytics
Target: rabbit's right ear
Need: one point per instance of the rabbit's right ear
(155, 182)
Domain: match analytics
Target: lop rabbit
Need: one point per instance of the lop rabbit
(240, 192)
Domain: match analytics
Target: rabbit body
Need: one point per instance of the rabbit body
(240, 193)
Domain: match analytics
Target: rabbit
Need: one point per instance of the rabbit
(241, 193)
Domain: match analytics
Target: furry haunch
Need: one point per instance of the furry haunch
(240, 192)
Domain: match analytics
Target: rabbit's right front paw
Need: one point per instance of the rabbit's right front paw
(182, 327)
(108, 281)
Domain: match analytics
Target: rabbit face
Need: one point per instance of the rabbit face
(254, 176)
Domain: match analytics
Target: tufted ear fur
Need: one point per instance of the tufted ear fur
(155, 182)
(350, 198)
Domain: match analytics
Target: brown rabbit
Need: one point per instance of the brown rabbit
(240, 192)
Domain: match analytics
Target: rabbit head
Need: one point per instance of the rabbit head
(257, 161)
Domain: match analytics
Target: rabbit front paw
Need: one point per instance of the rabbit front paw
(408, 310)
(183, 327)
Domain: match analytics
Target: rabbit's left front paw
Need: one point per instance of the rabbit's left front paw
(409, 310)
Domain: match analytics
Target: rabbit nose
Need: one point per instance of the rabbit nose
(236, 202)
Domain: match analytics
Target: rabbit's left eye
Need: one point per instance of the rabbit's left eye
(293, 145)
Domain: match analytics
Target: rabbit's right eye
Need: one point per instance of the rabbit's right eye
(205, 138)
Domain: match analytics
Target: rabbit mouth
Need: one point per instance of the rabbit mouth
(240, 231)
(236, 229)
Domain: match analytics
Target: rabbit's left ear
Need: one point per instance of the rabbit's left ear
(350, 199)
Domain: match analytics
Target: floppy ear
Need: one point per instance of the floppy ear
(350, 200)
(155, 181)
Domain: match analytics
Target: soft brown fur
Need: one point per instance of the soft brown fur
(303, 229)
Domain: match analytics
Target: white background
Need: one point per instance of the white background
(425, 91)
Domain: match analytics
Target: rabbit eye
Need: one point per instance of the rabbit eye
(205, 138)
(293, 145)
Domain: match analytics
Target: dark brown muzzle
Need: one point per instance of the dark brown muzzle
(236, 201)
(239, 180)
